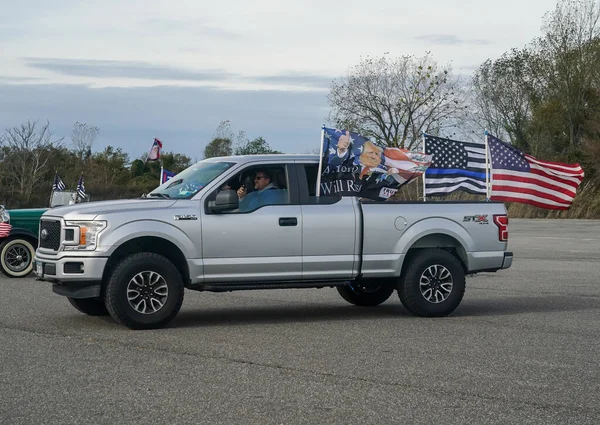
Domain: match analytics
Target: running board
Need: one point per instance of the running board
(236, 286)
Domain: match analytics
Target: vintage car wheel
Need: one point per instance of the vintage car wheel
(144, 291)
(16, 257)
(368, 293)
(433, 283)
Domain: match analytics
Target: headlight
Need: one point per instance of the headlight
(4, 215)
(86, 236)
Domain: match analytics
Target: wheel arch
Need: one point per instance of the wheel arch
(434, 241)
(28, 235)
(152, 244)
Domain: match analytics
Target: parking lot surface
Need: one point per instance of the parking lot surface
(523, 348)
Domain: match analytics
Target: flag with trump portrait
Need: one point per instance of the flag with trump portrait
(353, 165)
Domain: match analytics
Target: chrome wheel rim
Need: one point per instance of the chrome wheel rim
(147, 292)
(17, 258)
(436, 283)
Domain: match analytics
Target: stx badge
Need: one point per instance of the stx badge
(481, 219)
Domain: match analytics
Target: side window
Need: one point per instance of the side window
(259, 186)
(312, 171)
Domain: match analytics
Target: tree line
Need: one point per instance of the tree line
(543, 98)
(30, 156)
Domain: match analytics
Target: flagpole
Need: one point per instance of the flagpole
(52, 189)
(318, 189)
(487, 168)
(161, 174)
(425, 152)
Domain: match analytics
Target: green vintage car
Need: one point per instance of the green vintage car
(18, 248)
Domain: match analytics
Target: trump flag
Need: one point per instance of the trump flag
(165, 175)
(352, 165)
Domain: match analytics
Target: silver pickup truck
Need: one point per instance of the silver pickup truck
(133, 259)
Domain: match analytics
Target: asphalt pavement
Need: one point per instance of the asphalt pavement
(522, 348)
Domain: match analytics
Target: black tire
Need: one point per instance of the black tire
(16, 257)
(437, 267)
(367, 293)
(89, 306)
(157, 303)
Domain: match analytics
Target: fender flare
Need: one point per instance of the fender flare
(19, 231)
(433, 226)
(148, 228)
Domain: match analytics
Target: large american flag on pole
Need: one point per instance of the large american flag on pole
(519, 177)
(455, 166)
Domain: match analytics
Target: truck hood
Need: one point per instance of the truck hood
(91, 210)
(27, 213)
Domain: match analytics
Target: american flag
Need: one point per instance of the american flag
(80, 187)
(519, 177)
(455, 166)
(58, 185)
(5, 229)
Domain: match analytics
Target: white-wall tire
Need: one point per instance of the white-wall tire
(16, 257)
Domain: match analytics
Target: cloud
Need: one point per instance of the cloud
(106, 69)
(308, 80)
(194, 26)
(17, 80)
(122, 69)
(450, 39)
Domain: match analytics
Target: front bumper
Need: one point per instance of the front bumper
(65, 269)
(76, 277)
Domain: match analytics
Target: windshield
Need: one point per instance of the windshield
(191, 180)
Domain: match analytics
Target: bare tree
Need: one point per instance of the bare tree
(501, 96)
(567, 63)
(83, 137)
(27, 150)
(393, 101)
(225, 142)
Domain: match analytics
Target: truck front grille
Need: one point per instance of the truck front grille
(50, 234)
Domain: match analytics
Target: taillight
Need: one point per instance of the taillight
(502, 222)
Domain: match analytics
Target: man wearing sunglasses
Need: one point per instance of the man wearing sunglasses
(263, 194)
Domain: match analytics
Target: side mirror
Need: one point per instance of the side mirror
(226, 200)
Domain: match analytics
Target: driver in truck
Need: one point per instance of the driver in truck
(262, 194)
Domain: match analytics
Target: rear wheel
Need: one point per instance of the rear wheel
(16, 257)
(368, 293)
(433, 283)
(144, 291)
(89, 306)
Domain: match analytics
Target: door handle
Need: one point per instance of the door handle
(288, 221)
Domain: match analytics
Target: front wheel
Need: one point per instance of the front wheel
(433, 283)
(366, 294)
(145, 291)
(16, 257)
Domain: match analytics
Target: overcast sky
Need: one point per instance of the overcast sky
(140, 69)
